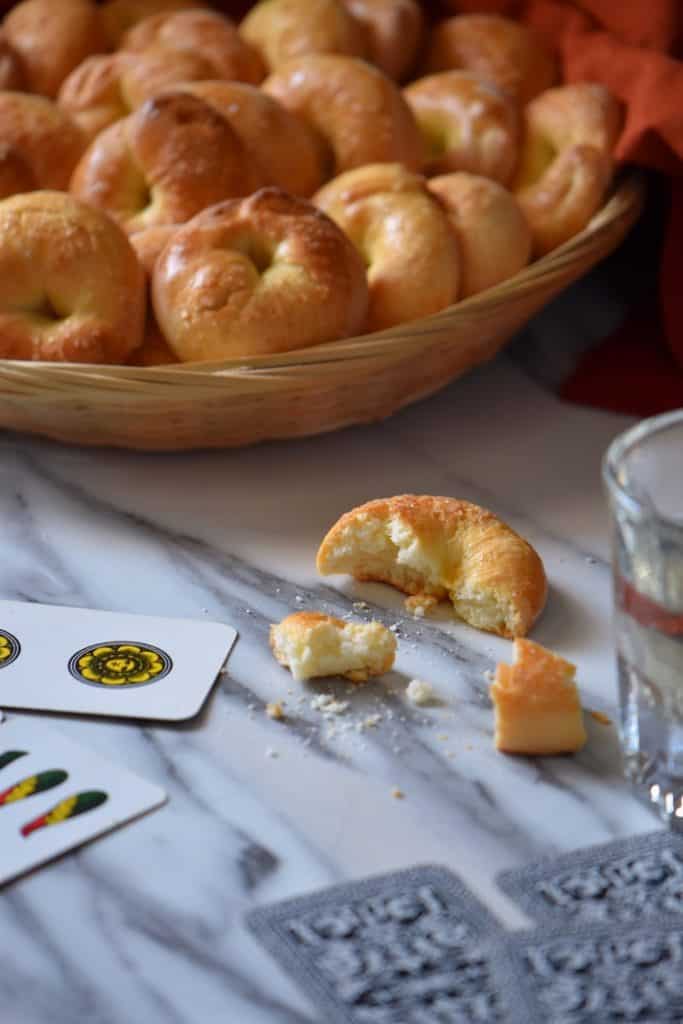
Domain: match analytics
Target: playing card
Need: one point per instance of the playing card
(595, 974)
(106, 663)
(624, 880)
(405, 948)
(55, 795)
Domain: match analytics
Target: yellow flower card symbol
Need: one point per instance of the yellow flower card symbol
(10, 648)
(119, 664)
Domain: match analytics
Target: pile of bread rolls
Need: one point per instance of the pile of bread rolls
(177, 187)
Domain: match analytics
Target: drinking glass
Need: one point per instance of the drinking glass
(643, 474)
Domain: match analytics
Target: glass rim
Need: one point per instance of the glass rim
(620, 447)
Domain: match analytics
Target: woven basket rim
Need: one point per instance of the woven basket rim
(269, 371)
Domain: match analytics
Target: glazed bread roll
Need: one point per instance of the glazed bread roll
(313, 645)
(52, 39)
(105, 88)
(359, 112)
(445, 549)
(148, 245)
(290, 153)
(118, 16)
(71, 287)
(265, 274)
(15, 172)
(493, 236)
(566, 161)
(393, 31)
(499, 49)
(163, 164)
(404, 237)
(43, 142)
(202, 32)
(280, 30)
(11, 72)
(468, 124)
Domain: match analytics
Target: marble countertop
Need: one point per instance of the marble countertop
(146, 924)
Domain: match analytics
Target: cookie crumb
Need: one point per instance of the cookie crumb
(418, 604)
(600, 717)
(370, 722)
(361, 606)
(419, 692)
(397, 793)
(274, 710)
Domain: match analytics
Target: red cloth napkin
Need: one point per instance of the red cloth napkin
(634, 48)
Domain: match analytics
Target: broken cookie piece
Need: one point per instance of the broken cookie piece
(312, 644)
(537, 706)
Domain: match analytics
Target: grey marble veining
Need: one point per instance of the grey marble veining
(146, 925)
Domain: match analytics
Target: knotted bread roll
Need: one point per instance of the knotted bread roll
(52, 38)
(255, 276)
(163, 164)
(404, 237)
(566, 160)
(468, 124)
(206, 33)
(71, 287)
(119, 16)
(497, 48)
(356, 108)
(41, 144)
(280, 30)
(442, 548)
(394, 32)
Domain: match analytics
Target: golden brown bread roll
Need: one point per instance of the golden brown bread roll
(468, 124)
(161, 165)
(148, 245)
(290, 153)
(118, 16)
(202, 32)
(442, 548)
(71, 287)
(11, 71)
(394, 32)
(261, 275)
(52, 39)
(356, 108)
(404, 237)
(313, 645)
(566, 160)
(493, 236)
(280, 30)
(42, 138)
(15, 172)
(105, 88)
(497, 48)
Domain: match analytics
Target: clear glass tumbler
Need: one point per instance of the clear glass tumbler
(643, 473)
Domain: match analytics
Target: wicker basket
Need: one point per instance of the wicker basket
(241, 401)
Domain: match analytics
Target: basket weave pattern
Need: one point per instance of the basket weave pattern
(357, 380)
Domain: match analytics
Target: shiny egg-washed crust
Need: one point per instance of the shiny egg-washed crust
(163, 164)
(119, 16)
(468, 124)
(290, 153)
(394, 32)
(148, 245)
(11, 72)
(404, 237)
(71, 286)
(107, 87)
(52, 37)
(494, 238)
(356, 108)
(445, 548)
(566, 160)
(265, 274)
(497, 48)
(207, 33)
(299, 625)
(281, 30)
(43, 142)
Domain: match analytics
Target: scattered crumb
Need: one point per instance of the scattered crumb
(489, 676)
(274, 710)
(299, 599)
(328, 705)
(397, 793)
(271, 753)
(370, 722)
(419, 692)
(600, 717)
(361, 606)
(443, 736)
